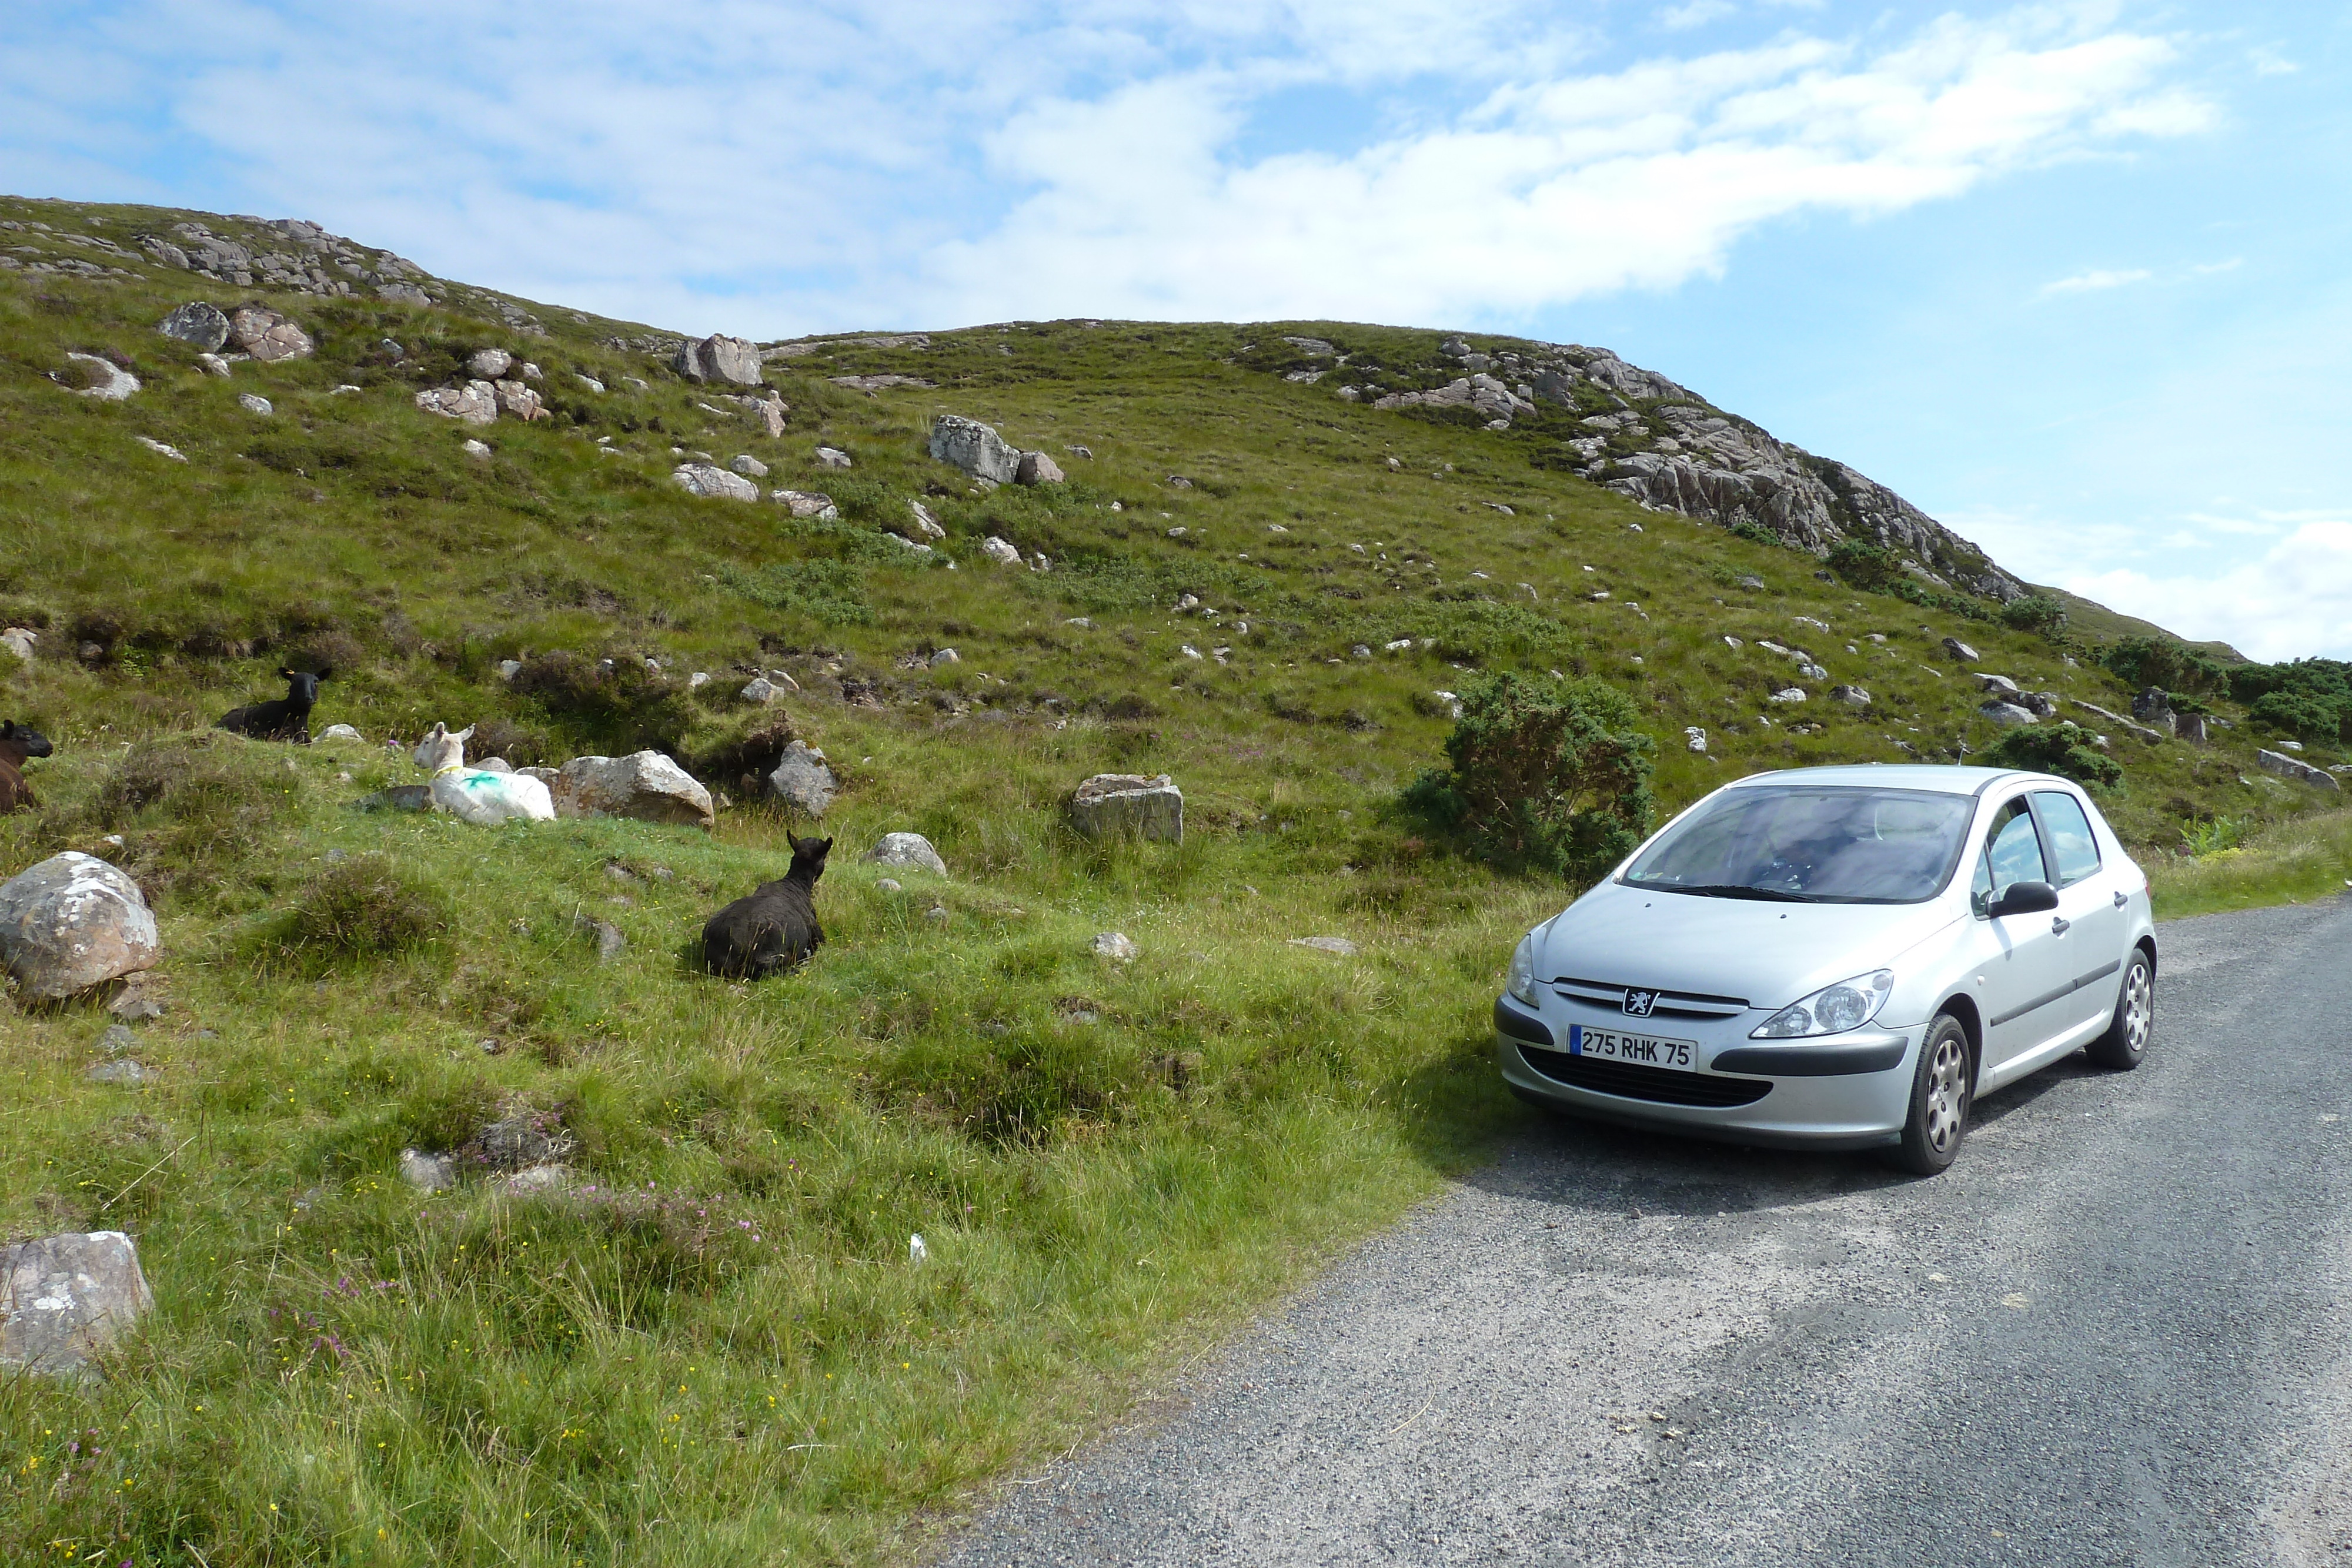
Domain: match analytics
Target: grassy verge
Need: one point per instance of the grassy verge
(2306, 857)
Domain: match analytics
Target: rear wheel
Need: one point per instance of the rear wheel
(2124, 1045)
(1942, 1088)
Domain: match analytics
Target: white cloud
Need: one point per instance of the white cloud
(2295, 601)
(2207, 270)
(2268, 62)
(2093, 281)
(1696, 14)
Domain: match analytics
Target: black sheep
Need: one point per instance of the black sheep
(287, 718)
(17, 743)
(773, 928)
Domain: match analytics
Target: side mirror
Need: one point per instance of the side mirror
(2025, 898)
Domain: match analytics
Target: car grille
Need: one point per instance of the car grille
(1670, 1004)
(1631, 1080)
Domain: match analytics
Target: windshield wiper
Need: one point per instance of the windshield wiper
(1731, 890)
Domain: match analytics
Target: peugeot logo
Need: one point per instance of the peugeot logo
(1638, 1004)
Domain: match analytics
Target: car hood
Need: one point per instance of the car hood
(1769, 954)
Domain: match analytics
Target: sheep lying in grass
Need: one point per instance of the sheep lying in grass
(17, 743)
(773, 928)
(473, 796)
(287, 718)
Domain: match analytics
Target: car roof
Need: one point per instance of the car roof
(1943, 778)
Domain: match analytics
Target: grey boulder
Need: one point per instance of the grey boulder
(476, 403)
(266, 335)
(1036, 468)
(749, 467)
(1958, 649)
(807, 504)
(2009, 715)
(708, 479)
(803, 780)
(643, 785)
(63, 1299)
(720, 359)
(110, 382)
(907, 852)
(73, 921)
(1132, 805)
(2286, 766)
(489, 364)
(253, 403)
(1853, 696)
(198, 323)
(974, 447)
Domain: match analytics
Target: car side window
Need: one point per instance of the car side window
(2013, 854)
(2072, 843)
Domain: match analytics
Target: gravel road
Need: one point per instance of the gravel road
(2116, 1331)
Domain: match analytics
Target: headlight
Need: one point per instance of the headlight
(1521, 981)
(1832, 1009)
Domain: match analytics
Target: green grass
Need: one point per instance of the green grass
(1111, 1166)
(2293, 862)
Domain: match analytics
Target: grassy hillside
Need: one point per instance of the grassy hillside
(715, 1348)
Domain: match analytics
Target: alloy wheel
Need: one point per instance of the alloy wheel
(1947, 1093)
(2138, 1009)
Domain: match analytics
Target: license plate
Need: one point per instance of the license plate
(1644, 1049)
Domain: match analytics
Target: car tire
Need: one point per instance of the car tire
(2124, 1045)
(1943, 1088)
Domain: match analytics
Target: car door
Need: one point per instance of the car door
(2094, 918)
(2024, 975)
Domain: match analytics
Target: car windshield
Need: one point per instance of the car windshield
(1811, 844)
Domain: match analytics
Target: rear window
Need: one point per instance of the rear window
(2072, 845)
(1811, 845)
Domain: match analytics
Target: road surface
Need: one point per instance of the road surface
(2116, 1331)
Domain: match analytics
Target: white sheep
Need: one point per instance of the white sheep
(472, 795)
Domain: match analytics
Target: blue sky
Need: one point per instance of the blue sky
(2073, 278)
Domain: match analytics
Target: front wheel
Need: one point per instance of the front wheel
(2124, 1045)
(1942, 1089)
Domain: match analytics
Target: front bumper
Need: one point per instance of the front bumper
(1849, 1093)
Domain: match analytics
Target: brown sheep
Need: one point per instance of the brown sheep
(17, 743)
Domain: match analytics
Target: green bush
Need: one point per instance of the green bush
(617, 704)
(1554, 775)
(831, 592)
(1755, 534)
(1865, 564)
(368, 907)
(2145, 661)
(2305, 714)
(2062, 750)
(2036, 612)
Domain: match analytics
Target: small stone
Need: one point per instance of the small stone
(885, 885)
(1853, 696)
(610, 943)
(131, 1074)
(1114, 946)
(946, 656)
(834, 457)
(1788, 695)
(489, 364)
(510, 668)
(808, 504)
(1001, 551)
(749, 467)
(937, 914)
(1996, 686)
(1956, 649)
(136, 1007)
(197, 323)
(907, 852)
(473, 448)
(161, 448)
(1336, 944)
(1115, 804)
(761, 690)
(117, 1041)
(428, 1172)
(697, 681)
(212, 365)
(709, 480)
(2008, 716)
(540, 1180)
(1695, 738)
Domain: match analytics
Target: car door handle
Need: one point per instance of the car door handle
(2059, 927)
(2121, 901)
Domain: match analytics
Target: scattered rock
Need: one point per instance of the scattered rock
(885, 885)
(489, 364)
(540, 1180)
(761, 690)
(2153, 737)
(925, 524)
(590, 383)
(1956, 649)
(1788, 695)
(1140, 805)
(73, 921)
(126, 1072)
(112, 383)
(428, 1172)
(807, 504)
(2153, 707)
(136, 1006)
(476, 403)
(909, 852)
(643, 785)
(64, 1298)
(2189, 726)
(610, 943)
(519, 400)
(253, 403)
(1114, 946)
(1002, 552)
(974, 447)
(473, 448)
(803, 780)
(1996, 686)
(2040, 705)
(2009, 715)
(1694, 738)
(19, 641)
(720, 359)
(2286, 766)
(749, 467)
(213, 365)
(197, 323)
(1036, 468)
(1338, 945)
(268, 336)
(708, 479)
(834, 457)
(1853, 696)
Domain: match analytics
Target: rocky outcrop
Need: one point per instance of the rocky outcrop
(71, 923)
(1134, 805)
(2286, 766)
(709, 479)
(720, 359)
(63, 1299)
(476, 403)
(975, 448)
(1482, 394)
(645, 785)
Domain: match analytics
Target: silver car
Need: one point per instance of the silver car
(1838, 957)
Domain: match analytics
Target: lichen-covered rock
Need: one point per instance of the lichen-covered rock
(2286, 766)
(476, 403)
(110, 382)
(1115, 945)
(909, 852)
(1137, 805)
(518, 400)
(709, 479)
(807, 504)
(1004, 552)
(720, 359)
(198, 323)
(73, 921)
(1956, 649)
(975, 448)
(65, 1298)
(489, 364)
(803, 780)
(643, 785)
(2009, 715)
(266, 335)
